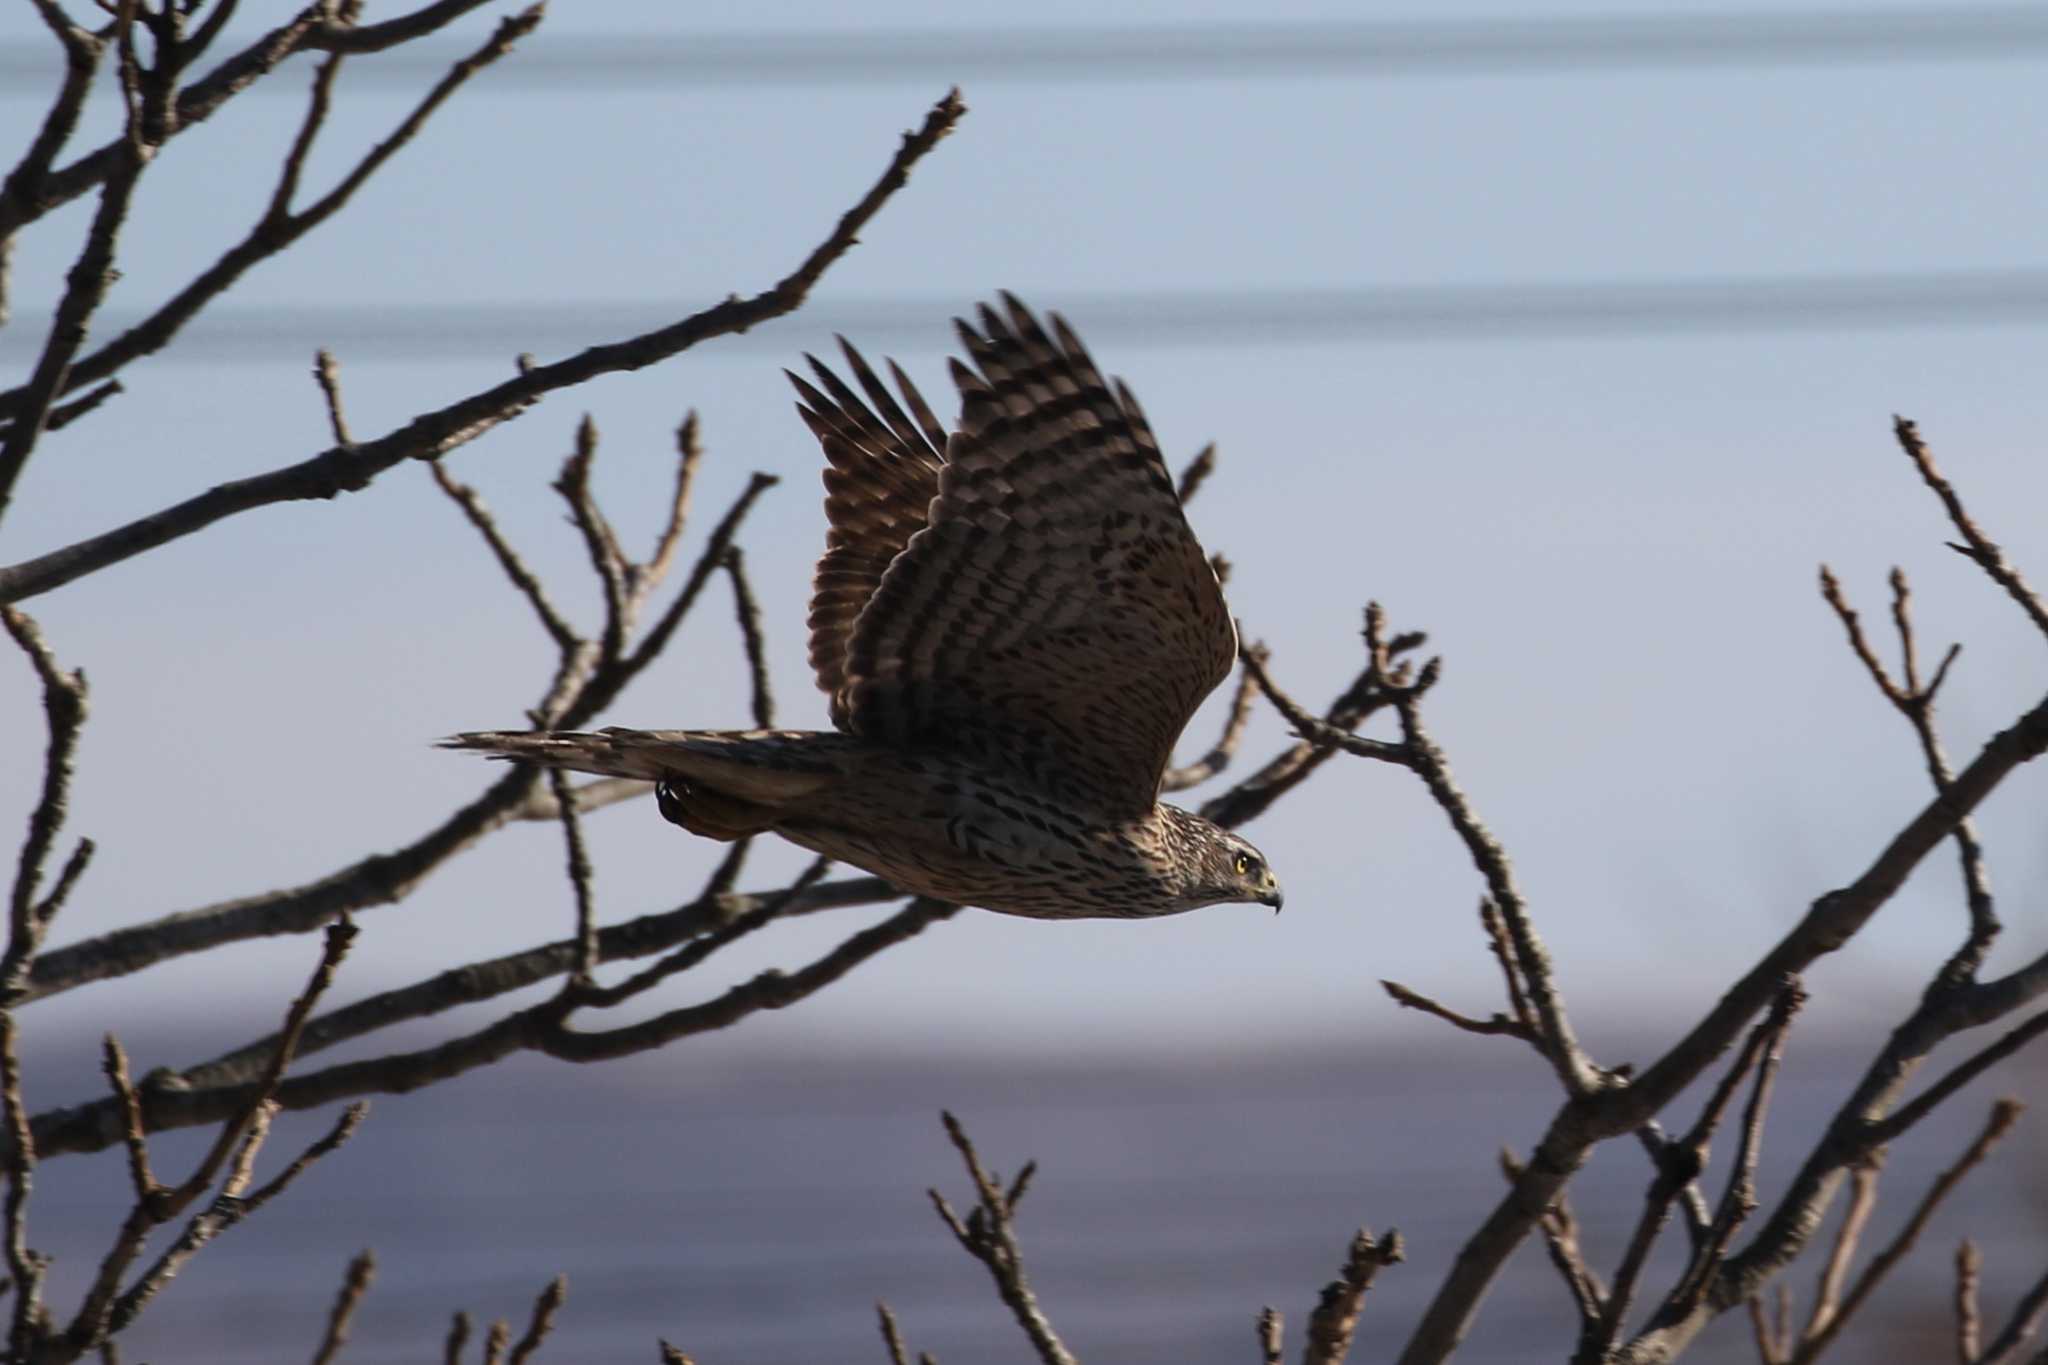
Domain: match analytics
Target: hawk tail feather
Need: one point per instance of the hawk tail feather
(733, 763)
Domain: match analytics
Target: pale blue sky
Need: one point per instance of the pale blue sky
(1612, 537)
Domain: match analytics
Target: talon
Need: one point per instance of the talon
(669, 801)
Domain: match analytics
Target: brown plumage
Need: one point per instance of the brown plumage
(1013, 623)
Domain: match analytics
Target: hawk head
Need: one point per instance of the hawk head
(1217, 866)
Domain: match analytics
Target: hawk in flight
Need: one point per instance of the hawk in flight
(1013, 623)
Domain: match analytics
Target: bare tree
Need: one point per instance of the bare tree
(1619, 1323)
(172, 73)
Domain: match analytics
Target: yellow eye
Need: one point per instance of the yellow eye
(1244, 865)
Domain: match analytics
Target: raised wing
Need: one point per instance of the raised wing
(882, 474)
(1056, 613)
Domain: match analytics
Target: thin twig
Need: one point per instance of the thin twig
(538, 1028)
(279, 226)
(1335, 1319)
(435, 433)
(114, 1061)
(24, 184)
(1739, 1201)
(545, 1308)
(1574, 1068)
(86, 285)
(1560, 1228)
(1234, 726)
(25, 1267)
(1499, 1023)
(892, 1336)
(64, 414)
(989, 1236)
(1272, 1336)
(354, 1285)
(64, 708)
(327, 373)
(1916, 703)
(1315, 730)
(2004, 1114)
(606, 558)
(1367, 695)
(1769, 1349)
(1889, 1129)
(689, 453)
(381, 878)
(472, 504)
(1969, 1321)
(580, 976)
(1834, 1272)
(94, 1126)
(749, 613)
(1977, 547)
(2020, 1327)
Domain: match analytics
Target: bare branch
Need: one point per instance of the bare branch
(523, 578)
(344, 1128)
(1977, 547)
(24, 184)
(1769, 1348)
(542, 1322)
(1916, 704)
(1740, 1201)
(1961, 1075)
(25, 1267)
(1834, 1273)
(354, 1285)
(115, 1063)
(579, 881)
(64, 708)
(1319, 732)
(384, 878)
(64, 414)
(1560, 1229)
(689, 451)
(433, 434)
(279, 226)
(2004, 1114)
(749, 613)
(539, 1028)
(1574, 1068)
(94, 1126)
(989, 1236)
(1503, 949)
(892, 1337)
(458, 1337)
(1969, 1323)
(1499, 1023)
(590, 796)
(1335, 1320)
(1218, 758)
(2020, 1327)
(606, 558)
(327, 374)
(85, 289)
(1271, 1336)
(1367, 695)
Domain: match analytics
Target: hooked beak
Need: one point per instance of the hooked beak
(1271, 896)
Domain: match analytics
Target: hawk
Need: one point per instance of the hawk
(1013, 623)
